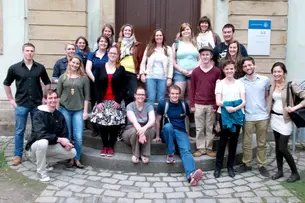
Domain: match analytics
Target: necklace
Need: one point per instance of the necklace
(72, 90)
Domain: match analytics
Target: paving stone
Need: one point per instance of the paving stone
(79, 171)
(155, 195)
(94, 178)
(126, 182)
(78, 181)
(277, 187)
(224, 196)
(147, 189)
(29, 173)
(53, 175)
(253, 179)
(143, 201)
(182, 189)
(175, 184)
(125, 200)
(91, 173)
(252, 200)
(47, 193)
(96, 184)
(105, 174)
(67, 173)
(240, 182)
(205, 200)
(189, 200)
(110, 180)
(165, 189)
(281, 193)
(224, 179)
(142, 184)
(161, 174)
(238, 177)
(63, 193)
(94, 191)
(293, 200)
(171, 195)
(160, 184)
(91, 199)
(194, 194)
(274, 200)
(153, 179)
(247, 174)
(225, 191)
(46, 199)
(169, 179)
(74, 200)
(181, 178)
(107, 200)
(126, 188)
(179, 174)
(146, 174)
(111, 187)
(175, 201)
(22, 169)
(82, 195)
(196, 188)
(210, 192)
(208, 187)
(241, 188)
(210, 181)
(255, 185)
(52, 187)
(59, 183)
(225, 184)
(137, 178)
(113, 193)
(75, 188)
(136, 195)
(270, 182)
(120, 177)
(229, 200)
(64, 178)
(244, 194)
(263, 194)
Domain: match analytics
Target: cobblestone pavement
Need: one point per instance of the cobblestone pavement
(96, 185)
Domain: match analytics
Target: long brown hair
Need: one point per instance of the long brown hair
(152, 44)
(239, 57)
(182, 28)
(117, 63)
(86, 49)
(80, 71)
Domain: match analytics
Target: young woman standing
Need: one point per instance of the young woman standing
(156, 68)
(206, 35)
(131, 53)
(280, 121)
(82, 48)
(230, 97)
(185, 55)
(109, 111)
(62, 64)
(73, 89)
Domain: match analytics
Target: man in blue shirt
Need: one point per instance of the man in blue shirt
(256, 116)
(176, 112)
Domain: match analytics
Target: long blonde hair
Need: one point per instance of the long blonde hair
(121, 35)
(182, 28)
(80, 71)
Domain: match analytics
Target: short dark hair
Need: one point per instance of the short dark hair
(248, 58)
(87, 49)
(205, 19)
(174, 87)
(281, 65)
(229, 25)
(28, 44)
(106, 38)
(140, 87)
(49, 92)
(228, 62)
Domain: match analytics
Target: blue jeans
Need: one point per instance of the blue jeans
(21, 116)
(155, 87)
(75, 124)
(170, 135)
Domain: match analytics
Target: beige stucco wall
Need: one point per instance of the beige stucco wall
(53, 23)
(240, 11)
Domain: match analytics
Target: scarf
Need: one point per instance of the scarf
(127, 44)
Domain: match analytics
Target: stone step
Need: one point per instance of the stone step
(122, 162)
(121, 147)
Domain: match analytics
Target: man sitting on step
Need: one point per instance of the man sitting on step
(49, 139)
(175, 113)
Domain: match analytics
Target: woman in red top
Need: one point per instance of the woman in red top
(109, 111)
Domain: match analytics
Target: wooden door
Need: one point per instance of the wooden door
(148, 15)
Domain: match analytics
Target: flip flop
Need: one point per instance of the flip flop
(134, 159)
(145, 159)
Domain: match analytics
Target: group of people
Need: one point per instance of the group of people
(214, 80)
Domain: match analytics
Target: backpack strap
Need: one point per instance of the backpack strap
(165, 116)
(185, 119)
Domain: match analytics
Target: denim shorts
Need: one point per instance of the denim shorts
(180, 78)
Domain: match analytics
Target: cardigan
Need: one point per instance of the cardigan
(148, 62)
(230, 120)
(297, 90)
(118, 83)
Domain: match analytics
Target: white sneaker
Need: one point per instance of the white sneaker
(43, 177)
(49, 167)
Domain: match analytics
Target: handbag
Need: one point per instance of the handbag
(298, 116)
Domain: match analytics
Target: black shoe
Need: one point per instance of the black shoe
(231, 172)
(263, 171)
(244, 168)
(217, 173)
(278, 175)
(294, 177)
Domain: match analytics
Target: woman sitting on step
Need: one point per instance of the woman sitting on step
(139, 130)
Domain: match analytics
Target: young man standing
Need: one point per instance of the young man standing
(220, 51)
(175, 113)
(49, 139)
(202, 101)
(27, 75)
(256, 116)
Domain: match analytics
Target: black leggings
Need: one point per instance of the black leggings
(281, 151)
(225, 136)
(109, 135)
